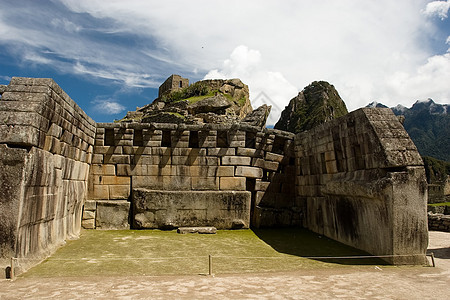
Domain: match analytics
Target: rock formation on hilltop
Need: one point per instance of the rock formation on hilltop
(215, 101)
(318, 103)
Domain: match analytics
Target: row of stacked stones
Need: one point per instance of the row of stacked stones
(171, 157)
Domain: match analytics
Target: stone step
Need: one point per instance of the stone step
(202, 230)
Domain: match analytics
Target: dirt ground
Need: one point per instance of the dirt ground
(363, 282)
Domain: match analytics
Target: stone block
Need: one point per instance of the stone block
(103, 169)
(221, 151)
(274, 157)
(205, 183)
(173, 209)
(225, 171)
(117, 159)
(203, 171)
(201, 230)
(90, 205)
(246, 152)
(88, 223)
(119, 191)
(115, 180)
(236, 160)
(88, 214)
(251, 172)
(100, 192)
(123, 170)
(261, 185)
(112, 215)
(232, 183)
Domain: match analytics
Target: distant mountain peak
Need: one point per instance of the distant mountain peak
(375, 104)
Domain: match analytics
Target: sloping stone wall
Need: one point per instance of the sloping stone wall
(46, 144)
(361, 182)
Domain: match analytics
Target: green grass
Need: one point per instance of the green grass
(154, 252)
(440, 204)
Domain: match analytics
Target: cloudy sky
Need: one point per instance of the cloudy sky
(111, 56)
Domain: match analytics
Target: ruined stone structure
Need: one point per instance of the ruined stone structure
(173, 83)
(358, 179)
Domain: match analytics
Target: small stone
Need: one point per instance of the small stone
(201, 230)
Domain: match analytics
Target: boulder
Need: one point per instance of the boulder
(258, 117)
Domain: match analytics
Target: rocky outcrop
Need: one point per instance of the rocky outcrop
(318, 103)
(258, 117)
(215, 101)
(2, 89)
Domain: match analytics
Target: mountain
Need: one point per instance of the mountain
(428, 125)
(318, 103)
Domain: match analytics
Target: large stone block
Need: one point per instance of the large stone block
(112, 215)
(236, 160)
(232, 183)
(250, 172)
(172, 209)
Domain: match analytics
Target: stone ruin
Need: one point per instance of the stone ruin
(357, 179)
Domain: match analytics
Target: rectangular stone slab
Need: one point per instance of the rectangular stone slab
(201, 230)
(173, 209)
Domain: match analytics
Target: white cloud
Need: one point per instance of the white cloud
(370, 50)
(266, 87)
(438, 8)
(107, 106)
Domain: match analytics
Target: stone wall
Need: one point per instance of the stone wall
(358, 179)
(169, 157)
(46, 144)
(173, 83)
(439, 222)
(362, 182)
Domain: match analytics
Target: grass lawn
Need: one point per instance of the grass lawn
(155, 252)
(440, 204)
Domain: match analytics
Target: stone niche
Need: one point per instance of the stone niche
(172, 209)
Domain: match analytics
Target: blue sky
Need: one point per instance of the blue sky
(111, 56)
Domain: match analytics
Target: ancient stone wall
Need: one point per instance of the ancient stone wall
(358, 179)
(46, 144)
(361, 182)
(169, 157)
(173, 83)
(440, 222)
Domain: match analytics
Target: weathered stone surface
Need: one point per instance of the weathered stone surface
(258, 117)
(112, 215)
(172, 209)
(355, 204)
(201, 230)
(213, 104)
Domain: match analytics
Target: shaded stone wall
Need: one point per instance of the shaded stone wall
(169, 157)
(361, 182)
(46, 144)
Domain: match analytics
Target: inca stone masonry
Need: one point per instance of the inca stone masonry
(358, 179)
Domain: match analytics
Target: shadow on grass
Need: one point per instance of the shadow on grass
(304, 243)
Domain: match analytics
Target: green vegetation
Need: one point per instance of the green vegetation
(154, 252)
(435, 169)
(194, 90)
(319, 102)
(440, 204)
